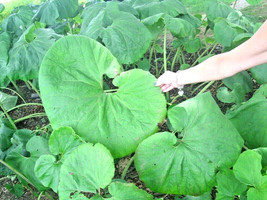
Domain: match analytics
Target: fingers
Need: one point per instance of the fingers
(166, 88)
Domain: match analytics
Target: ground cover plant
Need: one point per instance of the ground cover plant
(91, 67)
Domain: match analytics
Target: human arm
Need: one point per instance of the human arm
(251, 53)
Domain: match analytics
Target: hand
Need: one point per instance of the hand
(168, 81)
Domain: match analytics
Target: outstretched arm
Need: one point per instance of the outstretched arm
(251, 53)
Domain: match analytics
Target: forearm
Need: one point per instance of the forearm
(249, 54)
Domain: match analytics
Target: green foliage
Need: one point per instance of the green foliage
(117, 120)
(27, 53)
(259, 73)
(94, 162)
(247, 170)
(7, 101)
(184, 165)
(49, 11)
(228, 186)
(249, 119)
(121, 32)
(16, 189)
(5, 45)
(61, 143)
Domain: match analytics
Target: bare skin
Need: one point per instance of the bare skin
(251, 53)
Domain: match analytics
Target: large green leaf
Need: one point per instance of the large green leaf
(242, 79)
(10, 140)
(121, 32)
(148, 8)
(88, 168)
(247, 168)
(187, 165)
(250, 121)
(7, 101)
(127, 191)
(216, 8)
(224, 33)
(61, 143)
(263, 152)
(71, 84)
(26, 55)
(67, 8)
(260, 192)
(6, 134)
(259, 73)
(48, 12)
(5, 45)
(36, 146)
(18, 22)
(179, 27)
(237, 95)
(228, 186)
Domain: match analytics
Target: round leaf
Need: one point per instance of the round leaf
(26, 56)
(71, 85)
(17, 22)
(47, 171)
(121, 32)
(61, 143)
(250, 121)
(247, 168)
(228, 185)
(153, 7)
(88, 168)
(187, 165)
(258, 193)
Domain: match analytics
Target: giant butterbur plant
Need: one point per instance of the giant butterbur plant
(121, 32)
(73, 94)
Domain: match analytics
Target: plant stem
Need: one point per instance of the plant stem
(30, 116)
(111, 90)
(204, 52)
(4, 178)
(70, 27)
(127, 167)
(156, 63)
(26, 104)
(48, 196)
(198, 87)
(16, 87)
(164, 49)
(8, 117)
(182, 54)
(39, 197)
(27, 84)
(16, 172)
(176, 97)
(151, 52)
(174, 59)
(5, 88)
(235, 4)
(34, 88)
(206, 87)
